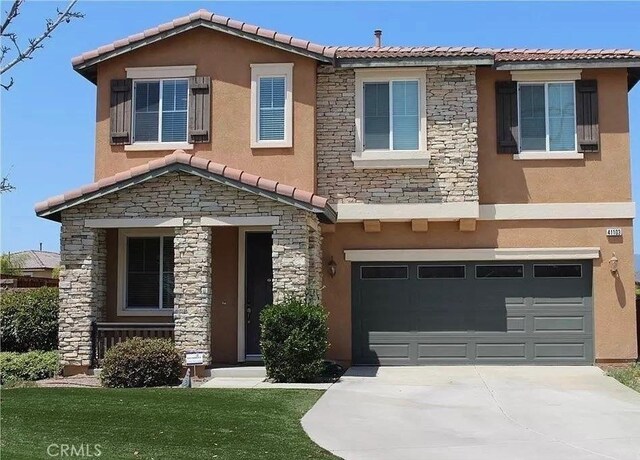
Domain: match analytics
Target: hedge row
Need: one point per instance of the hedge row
(29, 320)
(33, 365)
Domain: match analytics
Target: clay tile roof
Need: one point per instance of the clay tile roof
(324, 52)
(51, 207)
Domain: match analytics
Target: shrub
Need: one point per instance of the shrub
(33, 365)
(141, 363)
(29, 319)
(294, 340)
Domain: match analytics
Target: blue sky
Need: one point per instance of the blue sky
(48, 117)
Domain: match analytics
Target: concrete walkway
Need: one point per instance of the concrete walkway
(489, 412)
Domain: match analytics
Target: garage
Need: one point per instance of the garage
(475, 312)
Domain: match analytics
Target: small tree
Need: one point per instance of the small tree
(11, 265)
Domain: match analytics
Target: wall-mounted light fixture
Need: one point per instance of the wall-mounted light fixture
(613, 264)
(332, 267)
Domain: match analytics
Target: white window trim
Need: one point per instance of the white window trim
(378, 159)
(546, 75)
(548, 154)
(157, 145)
(272, 70)
(160, 72)
(123, 234)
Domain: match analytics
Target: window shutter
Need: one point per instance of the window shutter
(507, 116)
(120, 112)
(199, 109)
(587, 129)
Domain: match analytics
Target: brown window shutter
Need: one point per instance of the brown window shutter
(587, 129)
(121, 112)
(200, 109)
(507, 116)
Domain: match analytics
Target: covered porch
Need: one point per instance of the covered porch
(181, 248)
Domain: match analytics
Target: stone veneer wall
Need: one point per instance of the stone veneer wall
(451, 141)
(83, 273)
(192, 289)
(82, 289)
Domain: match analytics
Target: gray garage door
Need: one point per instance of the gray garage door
(472, 312)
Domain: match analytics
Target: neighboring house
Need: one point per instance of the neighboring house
(37, 264)
(452, 203)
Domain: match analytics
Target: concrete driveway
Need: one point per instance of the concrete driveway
(484, 412)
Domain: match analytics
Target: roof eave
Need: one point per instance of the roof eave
(568, 64)
(355, 63)
(87, 67)
(326, 214)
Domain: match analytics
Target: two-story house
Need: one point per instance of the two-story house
(447, 205)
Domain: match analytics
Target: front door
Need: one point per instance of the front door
(258, 291)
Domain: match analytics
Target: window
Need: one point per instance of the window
(271, 105)
(441, 271)
(146, 279)
(160, 113)
(499, 271)
(391, 115)
(385, 272)
(557, 271)
(547, 117)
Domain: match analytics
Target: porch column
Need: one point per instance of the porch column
(193, 290)
(297, 256)
(83, 260)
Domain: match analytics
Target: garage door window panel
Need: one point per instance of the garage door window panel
(557, 271)
(391, 272)
(499, 271)
(441, 272)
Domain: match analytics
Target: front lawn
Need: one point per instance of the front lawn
(158, 423)
(630, 376)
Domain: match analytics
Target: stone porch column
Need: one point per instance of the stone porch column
(297, 256)
(83, 253)
(193, 290)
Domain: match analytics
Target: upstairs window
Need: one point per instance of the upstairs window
(271, 105)
(547, 114)
(160, 110)
(391, 115)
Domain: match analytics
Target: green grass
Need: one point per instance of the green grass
(159, 423)
(629, 376)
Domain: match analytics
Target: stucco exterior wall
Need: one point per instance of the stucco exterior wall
(227, 61)
(599, 177)
(614, 297)
(451, 137)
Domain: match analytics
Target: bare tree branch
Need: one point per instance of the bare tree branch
(11, 14)
(7, 85)
(5, 185)
(34, 43)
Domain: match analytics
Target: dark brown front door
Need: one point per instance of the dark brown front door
(258, 291)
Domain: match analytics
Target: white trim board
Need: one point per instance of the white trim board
(546, 75)
(420, 255)
(355, 212)
(175, 71)
(239, 221)
(557, 211)
(145, 222)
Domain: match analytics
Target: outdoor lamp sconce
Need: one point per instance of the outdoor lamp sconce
(333, 267)
(613, 264)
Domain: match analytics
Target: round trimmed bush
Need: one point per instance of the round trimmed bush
(139, 362)
(29, 319)
(294, 340)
